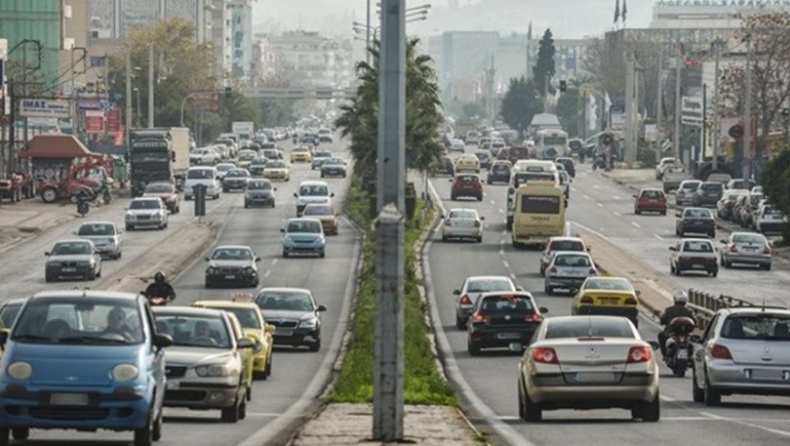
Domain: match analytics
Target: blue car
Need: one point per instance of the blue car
(84, 360)
(303, 236)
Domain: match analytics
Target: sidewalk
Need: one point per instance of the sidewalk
(28, 218)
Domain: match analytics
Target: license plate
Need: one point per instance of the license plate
(508, 336)
(230, 277)
(683, 354)
(751, 249)
(69, 270)
(698, 266)
(593, 377)
(69, 399)
(609, 301)
(283, 332)
(173, 385)
(767, 374)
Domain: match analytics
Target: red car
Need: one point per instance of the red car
(503, 154)
(518, 153)
(467, 185)
(650, 200)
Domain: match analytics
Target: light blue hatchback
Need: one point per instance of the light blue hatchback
(303, 236)
(84, 360)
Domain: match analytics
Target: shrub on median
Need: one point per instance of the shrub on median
(424, 383)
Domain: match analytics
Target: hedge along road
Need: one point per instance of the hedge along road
(298, 376)
(488, 382)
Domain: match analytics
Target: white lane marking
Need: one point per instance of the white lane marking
(586, 197)
(615, 197)
(599, 205)
(658, 237)
(507, 265)
(512, 277)
(504, 233)
(747, 424)
(501, 211)
(493, 202)
(267, 273)
(508, 418)
(274, 261)
(636, 225)
(502, 251)
(263, 414)
(596, 186)
(573, 189)
(666, 398)
(617, 214)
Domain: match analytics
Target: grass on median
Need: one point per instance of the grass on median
(424, 383)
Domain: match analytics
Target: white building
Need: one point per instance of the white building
(306, 57)
(241, 38)
(221, 38)
(113, 18)
(710, 14)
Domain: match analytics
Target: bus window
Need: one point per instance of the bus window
(540, 204)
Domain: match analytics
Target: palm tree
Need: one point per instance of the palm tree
(423, 113)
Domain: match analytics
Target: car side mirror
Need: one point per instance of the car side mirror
(207, 259)
(269, 328)
(321, 308)
(282, 230)
(258, 259)
(162, 341)
(634, 196)
(723, 241)
(274, 188)
(543, 310)
(450, 180)
(678, 215)
(673, 248)
(482, 218)
(73, 232)
(654, 345)
(695, 338)
(296, 195)
(332, 194)
(519, 288)
(457, 292)
(3, 337)
(638, 293)
(245, 343)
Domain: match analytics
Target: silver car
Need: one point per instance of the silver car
(462, 224)
(146, 211)
(574, 244)
(588, 362)
(106, 237)
(746, 248)
(471, 290)
(73, 258)
(568, 270)
(686, 192)
(743, 351)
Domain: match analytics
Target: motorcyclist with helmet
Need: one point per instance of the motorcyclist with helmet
(160, 289)
(679, 309)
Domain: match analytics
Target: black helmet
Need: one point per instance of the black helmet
(159, 277)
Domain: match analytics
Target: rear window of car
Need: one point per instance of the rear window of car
(690, 185)
(580, 327)
(748, 238)
(501, 167)
(506, 303)
(763, 326)
(486, 285)
(608, 285)
(712, 187)
(697, 246)
(566, 245)
(697, 213)
(467, 178)
(652, 194)
(572, 260)
(462, 214)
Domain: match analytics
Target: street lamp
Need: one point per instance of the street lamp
(137, 112)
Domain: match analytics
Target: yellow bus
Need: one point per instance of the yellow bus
(538, 214)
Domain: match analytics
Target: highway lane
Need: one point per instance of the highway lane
(293, 372)
(606, 207)
(492, 376)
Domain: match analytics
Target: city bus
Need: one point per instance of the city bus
(550, 144)
(539, 214)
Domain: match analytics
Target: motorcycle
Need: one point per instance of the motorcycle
(679, 345)
(599, 162)
(82, 206)
(156, 301)
(295, 138)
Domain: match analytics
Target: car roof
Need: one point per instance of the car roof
(202, 167)
(609, 279)
(756, 309)
(696, 239)
(146, 199)
(655, 189)
(233, 247)
(462, 210)
(309, 219)
(216, 303)
(189, 311)
(288, 289)
(97, 223)
(526, 294)
(489, 278)
(313, 183)
(565, 239)
(73, 240)
(571, 253)
(159, 183)
(85, 293)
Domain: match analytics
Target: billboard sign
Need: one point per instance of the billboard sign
(94, 121)
(44, 108)
(691, 111)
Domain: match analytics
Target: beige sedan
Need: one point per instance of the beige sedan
(588, 362)
(326, 214)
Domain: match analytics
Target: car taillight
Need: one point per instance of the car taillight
(465, 300)
(552, 270)
(545, 355)
(593, 272)
(720, 352)
(631, 301)
(734, 248)
(533, 317)
(639, 354)
(480, 318)
(586, 300)
(766, 250)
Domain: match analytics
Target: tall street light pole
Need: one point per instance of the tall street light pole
(151, 86)
(390, 257)
(747, 130)
(128, 129)
(367, 36)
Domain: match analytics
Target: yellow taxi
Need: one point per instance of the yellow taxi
(611, 296)
(301, 154)
(467, 163)
(254, 326)
(249, 373)
(325, 213)
(277, 170)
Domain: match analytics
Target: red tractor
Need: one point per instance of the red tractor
(77, 181)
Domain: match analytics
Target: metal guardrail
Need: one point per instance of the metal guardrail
(705, 305)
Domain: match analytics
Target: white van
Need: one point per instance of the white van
(205, 175)
(312, 192)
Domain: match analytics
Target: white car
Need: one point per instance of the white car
(769, 220)
(204, 155)
(472, 288)
(312, 192)
(106, 237)
(457, 145)
(146, 211)
(694, 254)
(568, 270)
(223, 168)
(574, 244)
(206, 176)
(662, 165)
(461, 224)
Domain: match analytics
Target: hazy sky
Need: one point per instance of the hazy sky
(566, 18)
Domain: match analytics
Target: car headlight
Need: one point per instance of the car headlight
(308, 323)
(211, 270)
(124, 372)
(213, 370)
(130, 216)
(20, 370)
(249, 270)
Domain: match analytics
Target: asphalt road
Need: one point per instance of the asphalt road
(491, 378)
(297, 375)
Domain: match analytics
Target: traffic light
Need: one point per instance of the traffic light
(228, 92)
(563, 86)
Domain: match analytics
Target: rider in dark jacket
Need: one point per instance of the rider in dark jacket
(160, 288)
(679, 309)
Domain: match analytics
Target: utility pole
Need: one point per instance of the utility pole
(490, 74)
(128, 112)
(151, 85)
(659, 103)
(747, 131)
(630, 121)
(678, 102)
(704, 121)
(367, 33)
(390, 256)
(24, 94)
(716, 119)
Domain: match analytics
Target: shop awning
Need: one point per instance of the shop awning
(55, 146)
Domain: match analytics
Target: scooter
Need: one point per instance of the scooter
(679, 345)
(82, 207)
(156, 301)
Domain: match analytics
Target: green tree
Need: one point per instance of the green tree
(424, 119)
(568, 111)
(520, 104)
(544, 67)
(775, 178)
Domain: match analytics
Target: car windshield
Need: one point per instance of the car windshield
(697, 213)
(79, 320)
(566, 245)
(258, 162)
(144, 204)
(690, 185)
(276, 165)
(697, 246)
(572, 260)
(189, 330)
(238, 173)
(248, 317)
(318, 210)
(8, 314)
(486, 285)
(466, 178)
(501, 167)
(314, 190)
(232, 254)
(246, 155)
(304, 226)
(323, 154)
(161, 188)
(259, 185)
(89, 229)
(652, 194)
(336, 161)
(462, 215)
(582, 327)
(301, 149)
(712, 187)
(755, 198)
(225, 167)
(284, 300)
(200, 174)
(762, 326)
(506, 303)
(71, 248)
(769, 210)
(608, 284)
(749, 238)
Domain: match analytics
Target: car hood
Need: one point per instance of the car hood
(323, 199)
(70, 258)
(229, 263)
(192, 356)
(303, 236)
(164, 196)
(142, 211)
(274, 315)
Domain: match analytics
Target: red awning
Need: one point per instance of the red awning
(55, 146)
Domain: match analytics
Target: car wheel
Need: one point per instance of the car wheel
(4, 433)
(714, 273)
(711, 396)
(157, 433)
(285, 254)
(20, 433)
(246, 205)
(473, 349)
(91, 276)
(531, 411)
(697, 394)
(315, 346)
(460, 323)
(671, 268)
(712, 235)
(49, 278)
(452, 197)
(321, 254)
(479, 239)
(649, 412)
(637, 211)
(678, 271)
(243, 410)
(145, 436)
(129, 227)
(230, 414)
(548, 290)
(767, 267)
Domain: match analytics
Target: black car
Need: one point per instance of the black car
(308, 138)
(695, 221)
(499, 172)
(503, 320)
(232, 265)
(333, 167)
(708, 194)
(257, 165)
(259, 192)
(235, 179)
(446, 167)
(567, 162)
(485, 158)
(294, 314)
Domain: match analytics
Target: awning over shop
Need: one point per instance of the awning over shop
(55, 146)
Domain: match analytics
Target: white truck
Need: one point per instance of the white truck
(244, 130)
